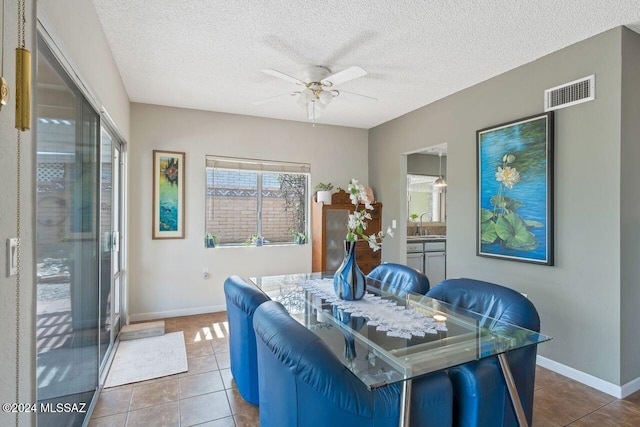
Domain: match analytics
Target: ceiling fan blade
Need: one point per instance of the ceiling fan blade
(355, 97)
(273, 98)
(283, 76)
(344, 76)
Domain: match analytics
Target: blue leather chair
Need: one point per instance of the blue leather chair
(303, 384)
(400, 279)
(242, 300)
(480, 394)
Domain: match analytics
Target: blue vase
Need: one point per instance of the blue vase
(355, 323)
(349, 281)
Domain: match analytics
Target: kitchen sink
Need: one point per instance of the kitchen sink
(427, 236)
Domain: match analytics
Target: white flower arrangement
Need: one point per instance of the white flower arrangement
(358, 219)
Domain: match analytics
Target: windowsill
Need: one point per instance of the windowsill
(229, 245)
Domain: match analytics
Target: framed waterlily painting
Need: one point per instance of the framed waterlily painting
(515, 190)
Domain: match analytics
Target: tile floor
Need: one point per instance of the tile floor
(206, 396)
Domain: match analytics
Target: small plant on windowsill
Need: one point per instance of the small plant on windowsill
(255, 240)
(298, 237)
(413, 217)
(211, 240)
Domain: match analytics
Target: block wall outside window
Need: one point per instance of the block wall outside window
(233, 205)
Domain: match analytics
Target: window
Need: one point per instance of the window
(423, 197)
(246, 198)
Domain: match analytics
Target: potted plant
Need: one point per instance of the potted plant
(254, 239)
(414, 217)
(299, 237)
(211, 240)
(324, 192)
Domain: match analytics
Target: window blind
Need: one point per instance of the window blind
(256, 165)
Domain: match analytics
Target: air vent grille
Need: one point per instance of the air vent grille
(571, 93)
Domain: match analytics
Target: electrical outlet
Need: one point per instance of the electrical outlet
(393, 223)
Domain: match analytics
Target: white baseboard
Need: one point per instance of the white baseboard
(176, 313)
(616, 391)
(630, 387)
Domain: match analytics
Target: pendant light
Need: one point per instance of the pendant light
(440, 182)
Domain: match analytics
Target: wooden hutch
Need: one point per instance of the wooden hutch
(329, 230)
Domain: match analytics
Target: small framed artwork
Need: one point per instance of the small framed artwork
(168, 194)
(515, 190)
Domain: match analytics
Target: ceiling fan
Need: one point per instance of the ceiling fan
(317, 88)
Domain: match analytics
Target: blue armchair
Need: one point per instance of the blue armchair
(302, 383)
(400, 279)
(242, 300)
(480, 394)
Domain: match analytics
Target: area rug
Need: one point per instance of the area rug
(148, 358)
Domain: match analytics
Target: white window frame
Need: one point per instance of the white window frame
(260, 167)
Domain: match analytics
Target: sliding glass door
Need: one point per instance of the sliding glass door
(78, 220)
(110, 235)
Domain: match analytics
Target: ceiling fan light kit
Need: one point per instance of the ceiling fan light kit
(318, 88)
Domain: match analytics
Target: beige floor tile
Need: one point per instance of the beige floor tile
(117, 420)
(154, 393)
(247, 420)
(198, 365)
(540, 420)
(545, 377)
(206, 382)
(165, 415)
(199, 349)
(223, 360)
(203, 408)
(634, 399)
(197, 334)
(222, 422)
(220, 316)
(220, 345)
(113, 402)
(227, 378)
(238, 404)
(566, 401)
(615, 414)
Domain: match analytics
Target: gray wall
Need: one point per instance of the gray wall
(579, 298)
(423, 164)
(8, 166)
(163, 284)
(630, 206)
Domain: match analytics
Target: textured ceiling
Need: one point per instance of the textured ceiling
(207, 55)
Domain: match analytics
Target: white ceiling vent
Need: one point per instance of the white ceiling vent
(571, 93)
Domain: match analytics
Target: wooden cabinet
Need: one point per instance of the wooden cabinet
(329, 229)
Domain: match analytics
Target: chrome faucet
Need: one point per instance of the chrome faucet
(421, 215)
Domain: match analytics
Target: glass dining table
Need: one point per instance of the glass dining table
(385, 339)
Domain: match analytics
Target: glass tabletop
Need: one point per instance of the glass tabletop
(385, 338)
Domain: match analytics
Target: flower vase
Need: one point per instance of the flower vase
(349, 281)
